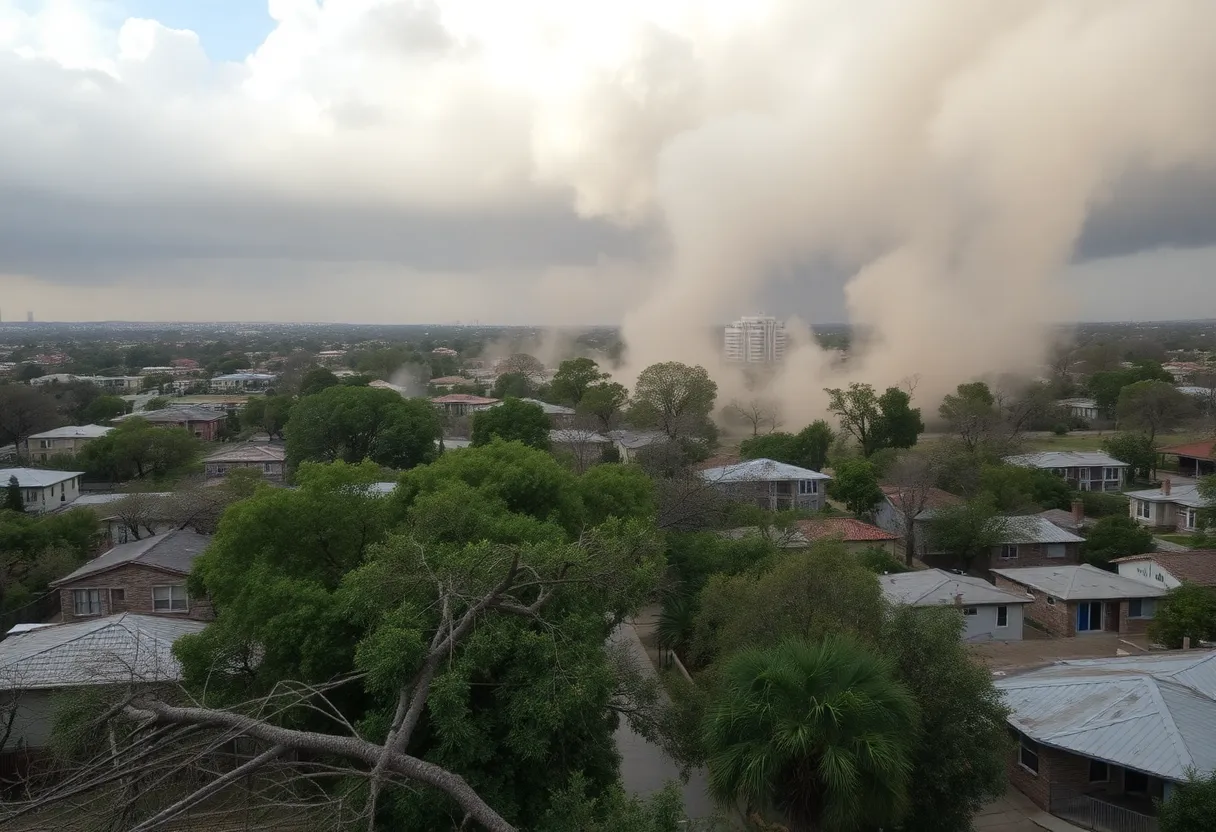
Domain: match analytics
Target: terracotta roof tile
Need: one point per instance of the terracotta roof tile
(1197, 566)
(846, 528)
(1196, 450)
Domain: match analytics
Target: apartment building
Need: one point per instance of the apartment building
(755, 340)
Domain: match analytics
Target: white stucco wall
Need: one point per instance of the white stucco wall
(1149, 572)
(982, 625)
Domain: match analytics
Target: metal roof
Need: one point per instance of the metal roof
(113, 497)
(249, 452)
(178, 415)
(73, 432)
(934, 587)
(1183, 495)
(100, 651)
(1155, 714)
(1195, 450)
(577, 436)
(760, 470)
(551, 409)
(633, 439)
(245, 377)
(36, 477)
(1080, 582)
(1066, 459)
(173, 551)
(1036, 529)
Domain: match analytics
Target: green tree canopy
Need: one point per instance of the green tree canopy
(1152, 406)
(675, 398)
(1191, 806)
(1114, 537)
(1187, 611)
(136, 449)
(103, 409)
(351, 424)
(268, 413)
(572, 380)
(855, 483)
(512, 385)
(971, 413)
(1016, 488)
(1137, 450)
(512, 421)
(807, 449)
(14, 498)
(317, 379)
(24, 411)
(876, 422)
(603, 402)
(967, 531)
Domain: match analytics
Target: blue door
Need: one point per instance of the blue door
(1089, 616)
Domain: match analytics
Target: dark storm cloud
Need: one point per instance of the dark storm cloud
(1147, 211)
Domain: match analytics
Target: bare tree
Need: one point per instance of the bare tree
(141, 513)
(911, 482)
(756, 412)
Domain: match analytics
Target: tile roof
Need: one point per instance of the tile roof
(1079, 582)
(173, 551)
(1197, 450)
(249, 452)
(1035, 529)
(935, 498)
(933, 587)
(1155, 714)
(1183, 495)
(844, 528)
(99, 651)
(1066, 459)
(73, 432)
(760, 470)
(36, 477)
(1197, 566)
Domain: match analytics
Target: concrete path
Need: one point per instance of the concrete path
(1015, 813)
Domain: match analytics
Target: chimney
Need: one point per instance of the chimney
(1166, 485)
(1078, 513)
(958, 600)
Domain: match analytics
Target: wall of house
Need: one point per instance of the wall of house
(1062, 774)
(53, 496)
(136, 582)
(1131, 626)
(33, 719)
(1058, 618)
(1160, 515)
(1149, 572)
(1036, 554)
(982, 625)
(221, 469)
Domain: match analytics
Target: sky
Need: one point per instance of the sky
(575, 162)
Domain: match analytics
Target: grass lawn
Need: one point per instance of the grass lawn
(1180, 539)
(1092, 440)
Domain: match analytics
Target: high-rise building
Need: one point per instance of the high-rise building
(29, 317)
(755, 340)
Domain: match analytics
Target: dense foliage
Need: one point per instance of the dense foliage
(136, 449)
(351, 424)
(1114, 537)
(512, 421)
(808, 448)
(1187, 611)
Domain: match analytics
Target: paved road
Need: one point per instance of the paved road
(645, 769)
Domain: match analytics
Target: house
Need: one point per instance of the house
(587, 446)
(186, 365)
(66, 440)
(462, 404)
(145, 576)
(203, 422)
(1198, 459)
(236, 382)
(630, 443)
(901, 501)
(1035, 541)
(112, 650)
(1083, 409)
(1075, 599)
(856, 535)
(769, 484)
(559, 415)
(1168, 508)
(444, 352)
(448, 382)
(1073, 521)
(989, 613)
(1110, 736)
(157, 515)
(268, 460)
(1171, 569)
(379, 384)
(1083, 470)
(41, 489)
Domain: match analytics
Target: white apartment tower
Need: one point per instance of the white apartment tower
(755, 340)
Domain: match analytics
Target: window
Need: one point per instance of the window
(118, 597)
(970, 611)
(268, 468)
(31, 496)
(1134, 782)
(1009, 551)
(1143, 510)
(1002, 616)
(804, 486)
(44, 443)
(1189, 516)
(169, 598)
(86, 601)
(1056, 550)
(1028, 755)
(1099, 772)
(1141, 608)
(1111, 474)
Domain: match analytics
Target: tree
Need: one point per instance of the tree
(876, 422)
(141, 514)
(512, 421)
(137, 450)
(156, 403)
(521, 363)
(23, 411)
(855, 483)
(14, 498)
(511, 385)
(967, 531)
(104, 409)
(268, 413)
(356, 423)
(912, 478)
(1114, 537)
(901, 425)
(317, 379)
(971, 413)
(573, 379)
(1186, 611)
(676, 398)
(1137, 450)
(1015, 488)
(603, 402)
(756, 413)
(820, 733)
(1152, 406)
(1190, 806)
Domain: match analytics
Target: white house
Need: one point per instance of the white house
(1086, 409)
(43, 490)
(1171, 569)
(1084, 470)
(234, 382)
(1167, 507)
(770, 484)
(65, 440)
(989, 613)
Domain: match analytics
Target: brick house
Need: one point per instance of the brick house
(1033, 540)
(1083, 470)
(1111, 735)
(145, 576)
(202, 423)
(268, 460)
(1072, 600)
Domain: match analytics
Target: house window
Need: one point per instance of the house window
(804, 486)
(1112, 474)
(86, 601)
(169, 598)
(118, 597)
(1002, 616)
(1142, 509)
(1028, 755)
(1056, 550)
(1189, 517)
(31, 496)
(44, 443)
(1141, 608)
(1134, 782)
(1009, 552)
(1099, 772)
(969, 611)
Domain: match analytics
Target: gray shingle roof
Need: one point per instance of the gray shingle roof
(36, 477)
(73, 432)
(760, 470)
(1154, 714)
(1183, 495)
(178, 415)
(1066, 459)
(1036, 529)
(249, 452)
(934, 587)
(633, 439)
(173, 551)
(1080, 583)
(100, 651)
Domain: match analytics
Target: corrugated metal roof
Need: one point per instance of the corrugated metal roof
(250, 452)
(1155, 714)
(1195, 450)
(174, 551)
(73, 432)
(1080, 582)
(1183, 495)
(760, 470)
(934, 587)
(633, 439)
(36, 477)
(101, 651)
(1066, 459)
(1036, 529)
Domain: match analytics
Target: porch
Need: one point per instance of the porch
(1106, 813)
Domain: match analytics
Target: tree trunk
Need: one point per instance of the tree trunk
(909, 543)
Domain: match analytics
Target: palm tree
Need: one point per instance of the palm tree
(821, 733)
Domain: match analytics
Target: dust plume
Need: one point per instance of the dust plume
(945, 154)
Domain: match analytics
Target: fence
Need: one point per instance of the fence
(1100, 816)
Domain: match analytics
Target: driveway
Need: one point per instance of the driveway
(1015, 813)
